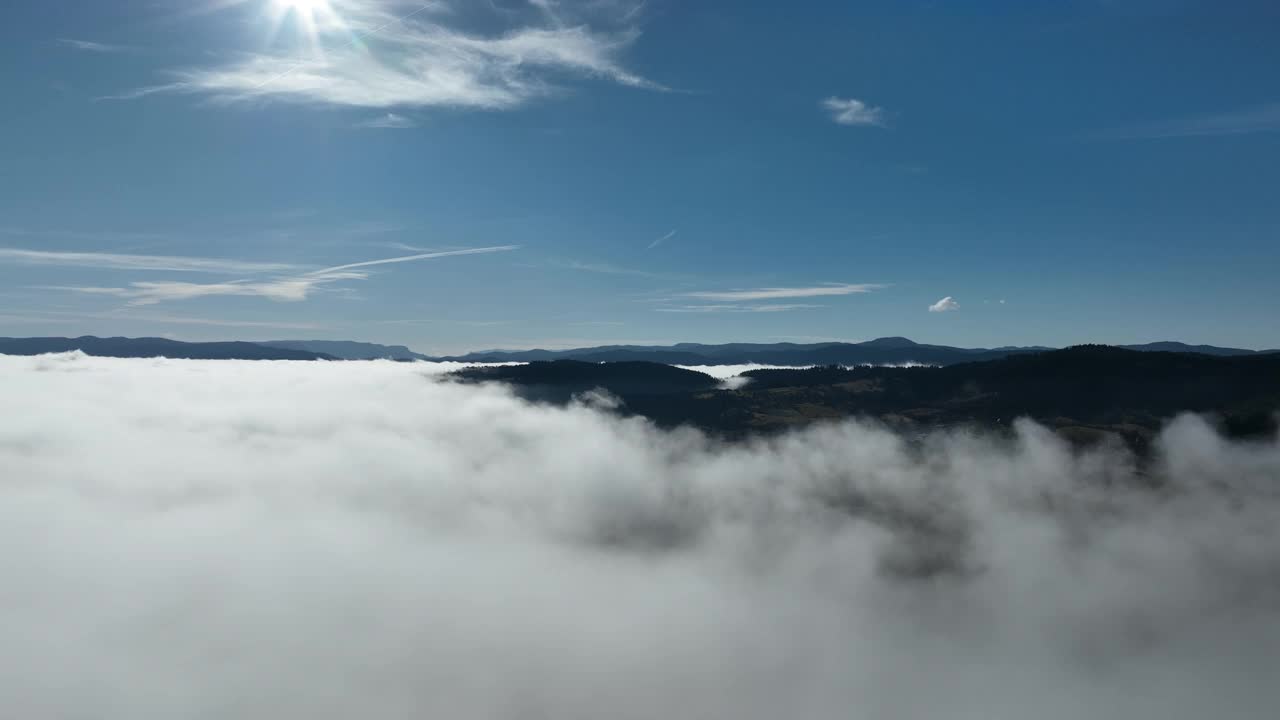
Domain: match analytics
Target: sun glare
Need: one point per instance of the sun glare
(306, 7)
(311, 17)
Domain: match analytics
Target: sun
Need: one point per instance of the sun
(302, 7)
(312, 17)
(303, 11)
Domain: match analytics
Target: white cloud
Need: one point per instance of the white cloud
(415, 61)
(775, 293)
(336, 540)
(122, 261)
(946, 304)
(848, 111)
(96, 47)
(389, 121)
(281, 289)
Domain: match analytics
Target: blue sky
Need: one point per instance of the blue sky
(598, 171)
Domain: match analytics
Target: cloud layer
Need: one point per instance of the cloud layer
(335, 540)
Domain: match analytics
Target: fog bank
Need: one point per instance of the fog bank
(288, 540)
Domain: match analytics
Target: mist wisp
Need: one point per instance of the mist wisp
(211, 539)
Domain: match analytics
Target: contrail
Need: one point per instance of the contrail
(409, 258)
(662, 239)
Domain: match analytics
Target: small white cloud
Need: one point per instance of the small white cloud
(848, 111)
(390, 121)
(946, 304)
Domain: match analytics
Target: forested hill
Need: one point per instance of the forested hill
(561, 379)
(1085, 392)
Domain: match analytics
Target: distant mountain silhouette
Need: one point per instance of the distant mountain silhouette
(348, 350)
(881, 351)
(122, 347)
(890, 342)
(1172, 346)
(1087, 392)
(889, 350)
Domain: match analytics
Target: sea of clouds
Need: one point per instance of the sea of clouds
(287, 540)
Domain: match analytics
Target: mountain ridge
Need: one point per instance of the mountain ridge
(347, 349)
(147, 347)
(879, 351)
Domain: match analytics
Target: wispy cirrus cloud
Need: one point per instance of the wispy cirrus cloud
(415, 60)
(1264, 118)
(779, 293)
(734, 308)
(125, 261)
(151, 293)
(850, 111)
(605, 268)
(946, 304)
(294, 288)
(389, 121)
(96, 47)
